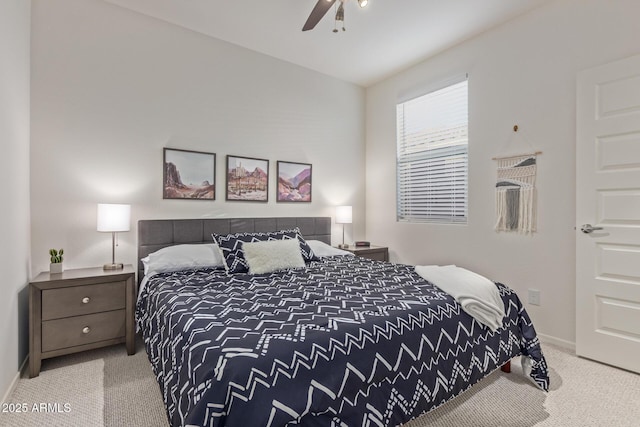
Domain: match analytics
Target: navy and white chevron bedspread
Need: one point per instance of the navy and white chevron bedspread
(344, 342)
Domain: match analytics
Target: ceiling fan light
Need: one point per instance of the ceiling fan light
(340, 13)
(363, 3)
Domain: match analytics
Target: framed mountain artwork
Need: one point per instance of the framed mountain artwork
(189, 175)
(294, 182)
(247, 179)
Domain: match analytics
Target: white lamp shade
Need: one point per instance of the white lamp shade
(114, 218)
(344, 215)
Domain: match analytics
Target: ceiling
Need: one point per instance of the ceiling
(385, 37)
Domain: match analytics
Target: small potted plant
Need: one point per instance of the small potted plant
(56, 261)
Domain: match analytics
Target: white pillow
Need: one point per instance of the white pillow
(182, 257)
(321, 249)
(272, 255)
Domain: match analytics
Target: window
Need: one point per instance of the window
(432, 156)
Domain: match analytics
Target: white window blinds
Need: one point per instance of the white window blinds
(432, 156)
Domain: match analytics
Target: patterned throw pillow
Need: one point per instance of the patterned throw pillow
(233, 254)
(271, 256)
(307, 252)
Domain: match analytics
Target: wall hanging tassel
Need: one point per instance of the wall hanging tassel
(516, 193)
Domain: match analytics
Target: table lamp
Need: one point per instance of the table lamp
(113, 218)
(344, 215)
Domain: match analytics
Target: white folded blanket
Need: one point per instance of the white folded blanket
(477, 295)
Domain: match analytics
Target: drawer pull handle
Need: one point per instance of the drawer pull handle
(86, 300)
(86, 330)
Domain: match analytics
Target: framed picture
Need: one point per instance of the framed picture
(189, 175)
(247, 179)
(294, 182)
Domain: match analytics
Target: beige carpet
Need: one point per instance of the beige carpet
(74, 380)
(107, 388)
(103, 387)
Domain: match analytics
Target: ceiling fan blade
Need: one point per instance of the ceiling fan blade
(321, 8)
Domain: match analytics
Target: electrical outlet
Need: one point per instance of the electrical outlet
(534, 297)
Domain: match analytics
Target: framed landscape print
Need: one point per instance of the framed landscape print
(294, 182)
(189, 175)
(247, 179)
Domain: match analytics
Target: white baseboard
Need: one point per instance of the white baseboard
(568, 345)
(14, 382)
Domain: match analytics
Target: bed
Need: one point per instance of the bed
(340, 341)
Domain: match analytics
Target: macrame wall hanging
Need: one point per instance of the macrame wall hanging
(516, 199)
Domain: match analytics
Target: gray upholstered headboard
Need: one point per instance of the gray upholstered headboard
(154, 234)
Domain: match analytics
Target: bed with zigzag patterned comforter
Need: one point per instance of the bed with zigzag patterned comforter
(343, 342)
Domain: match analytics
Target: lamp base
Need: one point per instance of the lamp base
(343, 246)
(119, 266)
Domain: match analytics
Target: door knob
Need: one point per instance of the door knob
(588, 228)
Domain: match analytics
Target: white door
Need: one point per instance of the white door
(608, 196)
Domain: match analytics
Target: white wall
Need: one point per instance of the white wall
(523, 72)
(111, 88)
(14, 174)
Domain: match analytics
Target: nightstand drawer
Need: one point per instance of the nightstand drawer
(376, 253)
(79, 300)
(79, 330)
(376, 256)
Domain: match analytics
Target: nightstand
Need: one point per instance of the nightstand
(78, 310)
(376, 253)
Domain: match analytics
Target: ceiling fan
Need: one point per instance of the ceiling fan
(322, 7)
